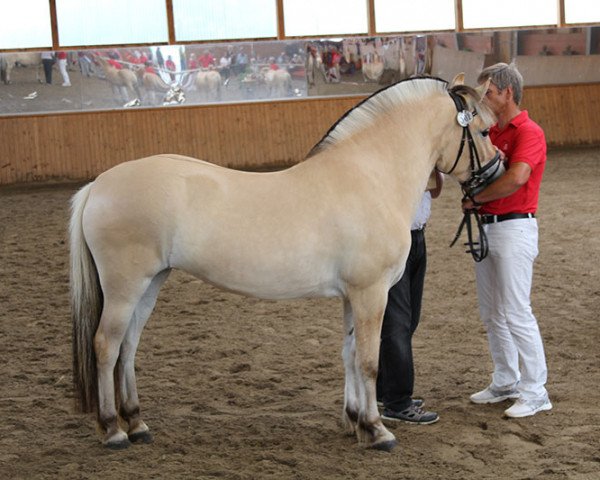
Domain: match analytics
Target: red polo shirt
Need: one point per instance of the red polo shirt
(522, 140)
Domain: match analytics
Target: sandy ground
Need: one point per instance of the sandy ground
(238, 388)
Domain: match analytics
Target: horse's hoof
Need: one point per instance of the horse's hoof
(386, 446)
(119, 445)
(141, 437)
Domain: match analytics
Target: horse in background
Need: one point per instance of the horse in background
(334, 225)
(154, 86)
(121, 81)
(26, 59)
(208, 83)
(278, 82)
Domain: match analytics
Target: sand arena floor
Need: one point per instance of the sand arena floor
(239, 388)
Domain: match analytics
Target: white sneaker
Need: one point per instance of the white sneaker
(66, 84)
(526, 408)
(491, 395)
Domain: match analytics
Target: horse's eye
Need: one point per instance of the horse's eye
(485, 133)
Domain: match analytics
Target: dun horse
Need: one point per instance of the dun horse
(120, 80)
(336, 224)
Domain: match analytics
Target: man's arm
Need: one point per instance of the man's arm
(514, 178)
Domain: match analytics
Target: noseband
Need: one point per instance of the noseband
(480, 178)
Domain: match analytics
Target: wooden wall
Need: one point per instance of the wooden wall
(79, 146)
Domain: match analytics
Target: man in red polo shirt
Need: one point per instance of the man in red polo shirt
(504, 277)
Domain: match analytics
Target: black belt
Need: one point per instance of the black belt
(485, 218)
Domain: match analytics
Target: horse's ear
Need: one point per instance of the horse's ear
(482, 89)
(458, 80)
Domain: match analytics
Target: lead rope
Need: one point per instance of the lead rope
(478, 250)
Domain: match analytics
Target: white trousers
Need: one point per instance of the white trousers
(62, 67)
(503, 286)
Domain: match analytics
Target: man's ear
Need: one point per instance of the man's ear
(458, 80)
(482, 89)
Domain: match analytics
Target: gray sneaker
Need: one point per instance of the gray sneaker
(491, 395)
(413, 414)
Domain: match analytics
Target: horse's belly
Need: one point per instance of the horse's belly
(248, 272)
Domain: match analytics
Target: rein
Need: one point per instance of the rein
(478, 250)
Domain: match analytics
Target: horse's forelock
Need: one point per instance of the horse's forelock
(472, 98)
(367, 111)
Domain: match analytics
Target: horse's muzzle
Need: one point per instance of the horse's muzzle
(485, 176)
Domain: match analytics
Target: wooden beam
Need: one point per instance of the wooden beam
(458, 15)
(372, 28)
(170, 21)
(280, 22)
(54, 24)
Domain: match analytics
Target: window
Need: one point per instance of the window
(509, 13)
(410, 16)
(110, 22)
(318, 17)
(25, 24)
(582, 11)
(224, 19)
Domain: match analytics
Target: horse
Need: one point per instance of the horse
(27, 59)
(156, 88)
(334, 225)
(208, 83)
(278, 82)
(120, 80)
(372, 71)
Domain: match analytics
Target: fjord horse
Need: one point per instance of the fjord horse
(336, 224)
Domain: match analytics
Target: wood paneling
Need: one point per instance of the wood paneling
(247, 136)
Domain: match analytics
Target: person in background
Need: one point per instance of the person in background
(504, 277)
(48, 63)
(62, 67)
(170, 64)
(159, 58)
(396, 378)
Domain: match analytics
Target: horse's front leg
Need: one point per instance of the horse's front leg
(350, 411)
(368, 306)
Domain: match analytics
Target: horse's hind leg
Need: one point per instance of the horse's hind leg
(130, 406)
(119, 305)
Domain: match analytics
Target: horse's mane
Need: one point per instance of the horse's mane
(367, 111)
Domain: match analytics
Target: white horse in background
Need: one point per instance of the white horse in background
(279, 83)
(155, 87)
(372, 67)
(26, 59)
(336, 224)
(208, 83)
(121, 81)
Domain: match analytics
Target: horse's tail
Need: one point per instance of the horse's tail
(86, 308)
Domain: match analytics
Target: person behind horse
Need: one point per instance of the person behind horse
(48, 59)
(396, 379)
(504, 277)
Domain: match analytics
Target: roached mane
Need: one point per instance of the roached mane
(366, 112)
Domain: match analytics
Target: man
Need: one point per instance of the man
(504, 277)
(396, 378)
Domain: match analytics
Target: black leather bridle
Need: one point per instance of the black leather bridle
(479, 179)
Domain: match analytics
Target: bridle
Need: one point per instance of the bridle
(481, 176)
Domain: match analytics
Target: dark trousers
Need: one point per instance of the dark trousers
(48, 63)
(396, 378)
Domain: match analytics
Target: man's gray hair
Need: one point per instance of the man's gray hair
(503, 76)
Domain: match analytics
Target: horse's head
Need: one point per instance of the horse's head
(471, 158)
